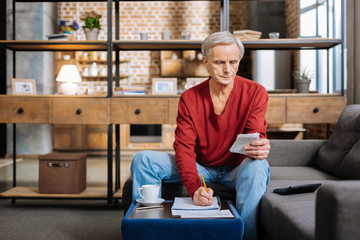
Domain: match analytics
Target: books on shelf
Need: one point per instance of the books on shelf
(129, 91)
(60, 36)
(247, 34)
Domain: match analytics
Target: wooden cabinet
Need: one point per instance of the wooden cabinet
(314, 109)
(81, 122)
(75, 110)
(276, 110)
(139, 110)
(282, 109)
(89, 137)
(16, 109)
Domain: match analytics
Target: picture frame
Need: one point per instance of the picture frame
(22, 86)
(190, 82)
(164, 86)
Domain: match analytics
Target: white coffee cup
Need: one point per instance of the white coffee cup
(150, 193)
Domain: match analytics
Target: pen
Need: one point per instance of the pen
(149, 207)
(202, 177)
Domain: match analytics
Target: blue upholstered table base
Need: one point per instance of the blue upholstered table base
(161, 229)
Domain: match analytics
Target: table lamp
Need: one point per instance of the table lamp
(69, 75)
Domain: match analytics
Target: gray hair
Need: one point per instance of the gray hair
(217, 38)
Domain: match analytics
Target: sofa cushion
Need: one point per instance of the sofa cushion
(337, 211)
(290, 216)
(299, 173)
(294, 220)
(294, 152)
(350, 166)
(344, 137)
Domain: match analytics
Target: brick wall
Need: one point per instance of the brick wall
(197, 17)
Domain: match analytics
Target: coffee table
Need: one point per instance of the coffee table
(159, 224)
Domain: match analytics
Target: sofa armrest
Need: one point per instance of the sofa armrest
(338, 211)
(294, 152)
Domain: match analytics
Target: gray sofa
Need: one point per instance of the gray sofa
(332, 212)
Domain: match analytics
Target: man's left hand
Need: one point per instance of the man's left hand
(258, 149)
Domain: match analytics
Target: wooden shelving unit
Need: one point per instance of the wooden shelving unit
(113, 191)
(261, 44)
(292, 44)
(46, 45)
(275, 44)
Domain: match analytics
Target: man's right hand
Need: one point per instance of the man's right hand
(201, 197)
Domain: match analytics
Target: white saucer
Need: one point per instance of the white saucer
(156, 202)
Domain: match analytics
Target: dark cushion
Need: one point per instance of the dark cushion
(350, 166)
(344, 137)
(299, 173)
(337, 211)
(294, 152)
(288, 217)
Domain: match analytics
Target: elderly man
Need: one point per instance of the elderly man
(210, 116)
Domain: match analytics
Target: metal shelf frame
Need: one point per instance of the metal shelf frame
(98, 45)
(120, 45)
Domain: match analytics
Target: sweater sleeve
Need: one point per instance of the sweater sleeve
(256, 121)
(184, 145)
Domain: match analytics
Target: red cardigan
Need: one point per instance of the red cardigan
(203, 136)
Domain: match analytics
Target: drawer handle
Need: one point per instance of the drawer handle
(20, 110)
(50, 164)
(316, 110)
(138, 111)
(78, 112)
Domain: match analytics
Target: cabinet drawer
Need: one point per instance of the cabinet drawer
(139, 110)
(314, 109)
(276, 110)
(80, 110)
(24, 110)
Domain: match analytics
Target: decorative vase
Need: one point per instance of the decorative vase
(302, 85)
(93, 71)
(91, 34)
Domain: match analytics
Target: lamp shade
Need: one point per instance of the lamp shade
(68, 73)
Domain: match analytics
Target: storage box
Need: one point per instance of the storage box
(172, 68)
(62, 173)
(195, 68)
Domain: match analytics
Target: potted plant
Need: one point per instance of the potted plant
(92, 25)
(302, 80)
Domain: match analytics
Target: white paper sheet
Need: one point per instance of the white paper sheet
(242, 140)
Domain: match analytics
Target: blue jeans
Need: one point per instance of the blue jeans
(249, 180)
